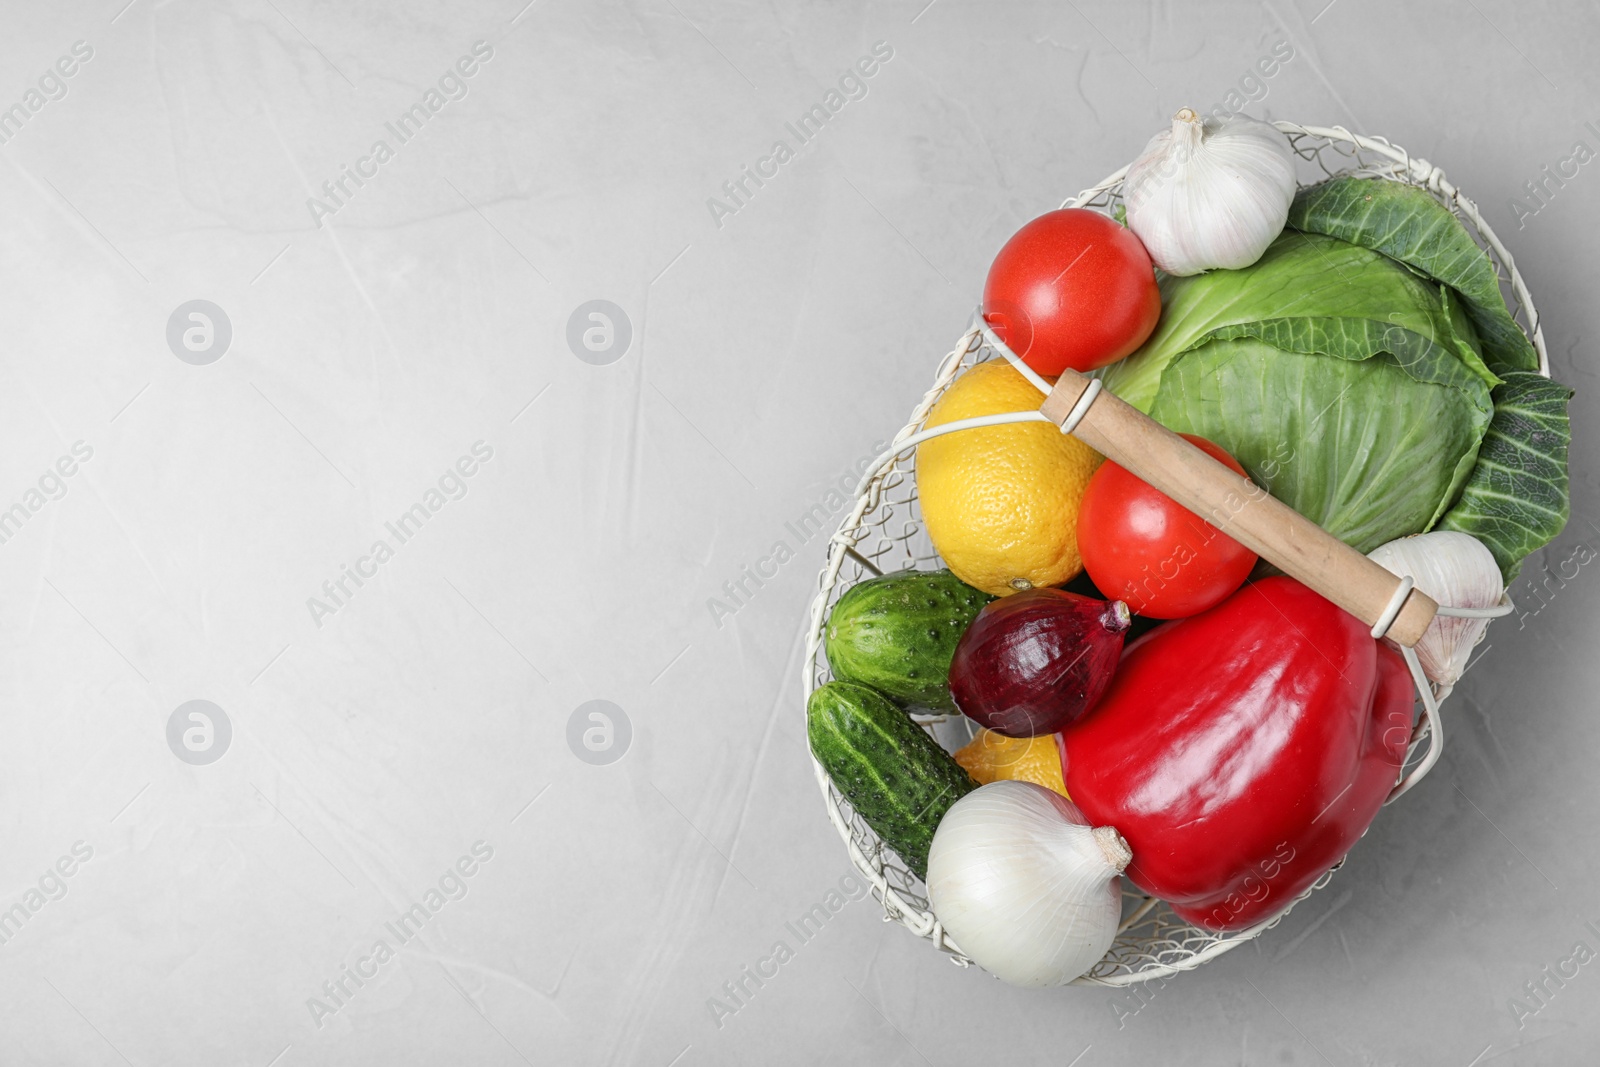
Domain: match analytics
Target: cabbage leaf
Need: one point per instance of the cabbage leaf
(1406, 223)
(1515, 501)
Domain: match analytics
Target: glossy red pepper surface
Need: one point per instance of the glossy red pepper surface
(1242, 751)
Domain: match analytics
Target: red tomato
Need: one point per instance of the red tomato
(1073, 289)
(1142, 547)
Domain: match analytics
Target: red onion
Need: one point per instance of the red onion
(1035, 662)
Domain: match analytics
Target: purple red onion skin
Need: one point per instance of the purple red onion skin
(1037, 661)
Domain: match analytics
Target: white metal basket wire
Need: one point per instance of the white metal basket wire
(883, 532)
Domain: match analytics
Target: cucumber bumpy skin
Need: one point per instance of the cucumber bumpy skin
(898, 634)
(890, 770)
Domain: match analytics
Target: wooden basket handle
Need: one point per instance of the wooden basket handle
(1240, 508)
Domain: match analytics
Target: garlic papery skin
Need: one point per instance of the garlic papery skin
(1457, 571)
(1207, 193)
(1024, 885)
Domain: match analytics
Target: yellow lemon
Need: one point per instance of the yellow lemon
(1000, 503)
(991, 757)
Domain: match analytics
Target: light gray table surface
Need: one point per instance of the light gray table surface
(358, 343)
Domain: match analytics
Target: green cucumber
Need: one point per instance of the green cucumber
(893, 774)
(897, 634)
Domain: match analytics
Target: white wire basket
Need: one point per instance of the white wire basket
(883, 532)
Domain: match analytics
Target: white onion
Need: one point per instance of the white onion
(1024, 885)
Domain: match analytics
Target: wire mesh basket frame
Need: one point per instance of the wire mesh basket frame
(1151, 942)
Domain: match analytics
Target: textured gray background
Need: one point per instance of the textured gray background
(369, 352)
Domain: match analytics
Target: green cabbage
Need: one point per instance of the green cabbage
(1355, 372)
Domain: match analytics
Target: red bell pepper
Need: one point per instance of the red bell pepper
(1242, 752)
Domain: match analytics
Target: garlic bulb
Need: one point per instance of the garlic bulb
(1024, 885)
(1210, 194)
(1456, 570)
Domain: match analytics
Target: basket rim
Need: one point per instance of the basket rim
(1404, 167)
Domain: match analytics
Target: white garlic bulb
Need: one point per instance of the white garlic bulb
(1208, 194)
(1455, 569)
(1025, 886)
